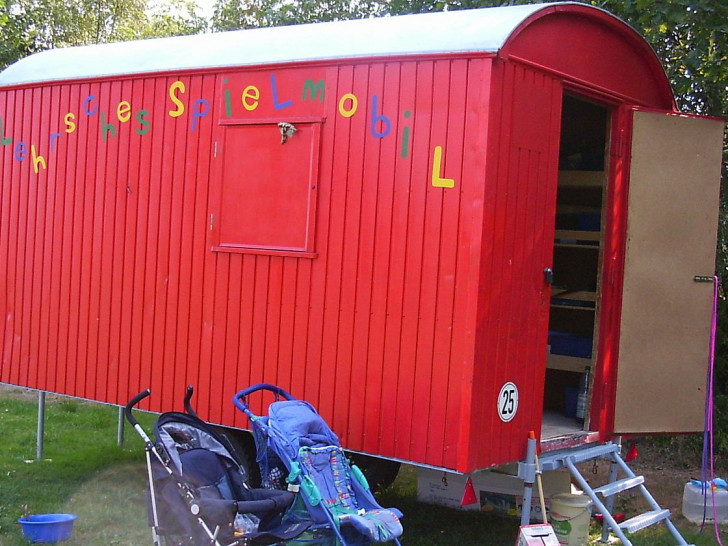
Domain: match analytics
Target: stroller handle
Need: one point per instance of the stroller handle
(188, 404)
(133, 402)
(241, 398)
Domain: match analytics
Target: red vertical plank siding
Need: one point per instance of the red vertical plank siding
(287, 321)
(49, 288)
(377, 402)
(29, 270)
(140, 200)
(5, 172)
(87, 251)
(103, 219)
(365, 177)
(304, 316)
(24, 246)
(198, 246)
(171, 178)
(246, 342)
(33, 269)
(470, 235)
(9, 241)
(429, 248)
(376, 328)
(518, 234)
(172, 187)
(124, 239)
(8, 237)
(114, 235)
(15, 248)
(50, 356)
(412, 401)
(206, 382)
(442, 392)
(17, 251)
(389, 271)
(326, 279)
(338, 373)
(66, 180)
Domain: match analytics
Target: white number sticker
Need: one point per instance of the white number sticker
(508, 402)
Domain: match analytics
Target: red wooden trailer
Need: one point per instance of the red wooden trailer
(427, 226)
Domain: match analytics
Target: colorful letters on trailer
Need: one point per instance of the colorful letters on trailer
(239, 102)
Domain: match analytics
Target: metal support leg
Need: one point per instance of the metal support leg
(120, 428)
(609, 502)
(41, 426)
(528, 475)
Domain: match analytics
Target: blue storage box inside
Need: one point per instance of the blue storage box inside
(589, 221)
(570, 344)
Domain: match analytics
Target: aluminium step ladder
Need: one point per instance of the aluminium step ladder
(602, 497)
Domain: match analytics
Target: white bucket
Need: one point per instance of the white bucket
(570, 518)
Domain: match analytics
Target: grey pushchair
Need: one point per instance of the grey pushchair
(198, 491)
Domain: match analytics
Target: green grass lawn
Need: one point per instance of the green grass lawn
(85, 473)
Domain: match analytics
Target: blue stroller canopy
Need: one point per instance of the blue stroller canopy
(298, 425)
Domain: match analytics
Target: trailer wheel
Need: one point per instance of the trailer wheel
(243, 443)
(380, 473)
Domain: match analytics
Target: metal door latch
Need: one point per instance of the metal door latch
(287, 130)
(548, 274)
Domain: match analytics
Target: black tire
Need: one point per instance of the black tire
(380, 473)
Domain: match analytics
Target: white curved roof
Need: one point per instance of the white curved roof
(481, 30)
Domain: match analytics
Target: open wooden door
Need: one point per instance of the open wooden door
(671, 238)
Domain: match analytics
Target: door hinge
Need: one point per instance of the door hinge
(212, 222)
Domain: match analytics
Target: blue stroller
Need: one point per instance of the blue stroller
(198, 493)
(294, 444)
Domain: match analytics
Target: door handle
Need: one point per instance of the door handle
(548, 275)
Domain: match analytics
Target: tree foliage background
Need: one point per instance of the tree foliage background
(690, 37)
(29, 26)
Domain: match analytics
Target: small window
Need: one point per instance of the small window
(268, 186)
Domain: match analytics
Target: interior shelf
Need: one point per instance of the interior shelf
(581, 178)
(580, 295)
(577, 235)
(567, 363)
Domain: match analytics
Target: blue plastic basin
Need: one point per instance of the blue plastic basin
(47, 527)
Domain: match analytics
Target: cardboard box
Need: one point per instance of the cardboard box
(498, 491)
(537, 535)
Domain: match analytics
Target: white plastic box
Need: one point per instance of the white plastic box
(695, 503)
(498, 492)
(537, 535)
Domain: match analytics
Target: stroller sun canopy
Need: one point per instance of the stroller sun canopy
(179, 433)
(297, 424)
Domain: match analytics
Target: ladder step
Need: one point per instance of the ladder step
(618, 486)
(636, 523)
(554, 460)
